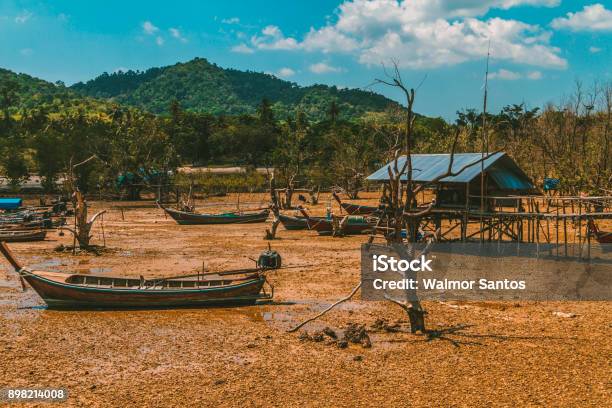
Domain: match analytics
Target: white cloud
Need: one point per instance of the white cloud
(507, 75)
(440, 42)
(176, 33)
(232, 20)
(329, 39)
(535, 75)
(242, 49)
(26, 52)
(23, 17)
(323, 68)
(149, 28)
(285, 72)
(594, 17)
(424, 34)
(274, 39)
(159, 41)
(594, 50)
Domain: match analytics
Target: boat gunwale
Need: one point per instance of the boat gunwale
(25, 272)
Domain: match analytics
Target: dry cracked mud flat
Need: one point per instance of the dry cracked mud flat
(478, 353)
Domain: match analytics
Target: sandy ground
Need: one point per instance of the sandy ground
(478, 354)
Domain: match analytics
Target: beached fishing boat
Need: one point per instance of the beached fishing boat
(22, 235)
(602, 237)
(355, 209)
(76, 291)
(352, 225)
(192, 218)
(298, 222)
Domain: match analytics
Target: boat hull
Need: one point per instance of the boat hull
(294, 223)
(354, 209)
(22, 236)
(59, 295)
(326, 227)
(185, 218)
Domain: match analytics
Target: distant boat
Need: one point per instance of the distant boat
(22, 236)
(193, 218)
(355, 209)
(352, 226)
(75, 291)
(602, 237)
(298, 222)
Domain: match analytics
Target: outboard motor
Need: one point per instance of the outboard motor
(269, 259)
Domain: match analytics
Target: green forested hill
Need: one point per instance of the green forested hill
(20, 92)
(200, 86)
(33, 92)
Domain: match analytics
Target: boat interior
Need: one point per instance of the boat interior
(141, 283)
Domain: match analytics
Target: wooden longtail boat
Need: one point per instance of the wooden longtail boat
(22, 236)
(602, 237)
(355, 209)
(191, 218)
(74, 291)
(295, 222)
(351, 226)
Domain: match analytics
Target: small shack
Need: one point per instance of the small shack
(502, 178)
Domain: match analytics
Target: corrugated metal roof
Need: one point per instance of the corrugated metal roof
(426, 167)
(508, 180)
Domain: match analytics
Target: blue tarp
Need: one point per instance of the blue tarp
(551, 184)
(10, 203)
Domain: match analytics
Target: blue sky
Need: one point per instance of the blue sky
(538, 47)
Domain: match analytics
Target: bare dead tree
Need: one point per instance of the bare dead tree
(399, 198)
(274, 206)
(82, 226)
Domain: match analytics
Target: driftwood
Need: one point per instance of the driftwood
(286, 202)
(305, 322)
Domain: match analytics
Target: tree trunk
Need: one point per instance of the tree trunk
(271, 233)
(82, 227)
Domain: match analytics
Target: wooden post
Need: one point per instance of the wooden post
(557, 230)
(564, 230)
(464, 221)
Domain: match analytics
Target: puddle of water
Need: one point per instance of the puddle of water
(100, 270)
(35, 307)
(97, 270)
(47, 264)
(10, 282)
(276, 316)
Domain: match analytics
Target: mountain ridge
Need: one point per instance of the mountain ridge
(201, 86)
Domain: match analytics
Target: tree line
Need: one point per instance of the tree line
(569, 141)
